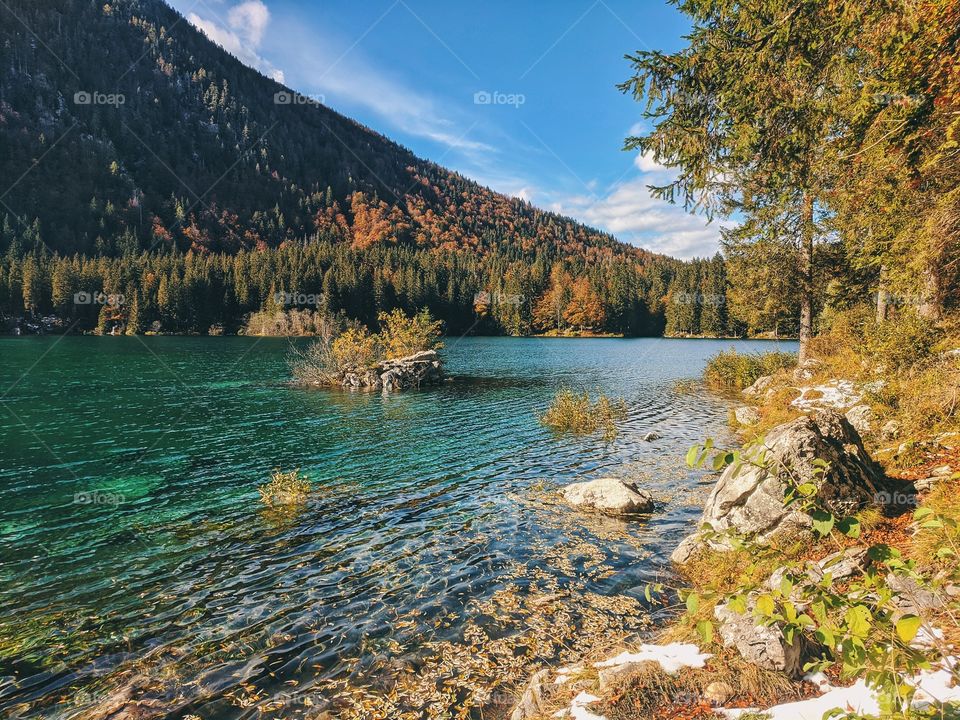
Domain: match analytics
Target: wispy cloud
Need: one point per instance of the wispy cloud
(628, 211)
(242, 36)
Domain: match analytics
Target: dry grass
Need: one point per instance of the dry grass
(652, 694)
(735, 371)
(285, 489)
(576, 413)
(715, 574)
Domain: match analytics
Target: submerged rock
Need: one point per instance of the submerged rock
(610, 496)
(748, 499)
(651, 436)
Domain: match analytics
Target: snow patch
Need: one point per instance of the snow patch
(932, 687)
(672, 657)
(837, 394)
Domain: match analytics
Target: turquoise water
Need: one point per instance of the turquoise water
(139, 568)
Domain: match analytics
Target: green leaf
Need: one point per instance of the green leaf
(822, 522)
(858, 619)
(786, 587)
(907, 627)
(719, 461)
(921, 513)
(765, 605)
(692, 455)
(738, 604)
(705, 631)
(850, 527)
(693, 603)
(806, 489)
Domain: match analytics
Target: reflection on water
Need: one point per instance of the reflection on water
(431, 569)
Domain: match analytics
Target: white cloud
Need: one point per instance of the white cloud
(630, 213)
(243, 34)
(645, 163)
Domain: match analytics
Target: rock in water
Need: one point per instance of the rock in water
(748, 499)
(610, 496)
(422, 368)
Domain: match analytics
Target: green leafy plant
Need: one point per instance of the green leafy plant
(857, 627)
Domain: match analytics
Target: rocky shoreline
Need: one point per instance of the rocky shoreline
(821, 449)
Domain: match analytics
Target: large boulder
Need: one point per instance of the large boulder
(610, 496)
(748, 499)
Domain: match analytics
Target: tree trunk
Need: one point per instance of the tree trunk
(806, 277)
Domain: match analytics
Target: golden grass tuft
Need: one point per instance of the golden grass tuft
(576, 413)
(652, 693)
(735, 371)
(285, 489)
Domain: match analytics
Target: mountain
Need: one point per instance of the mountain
(124, 131)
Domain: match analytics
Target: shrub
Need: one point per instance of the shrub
(285, 489)
(730, 369)
(401, 336)
(575, 413)
(355, 349)
(349, 347)
(901, 342)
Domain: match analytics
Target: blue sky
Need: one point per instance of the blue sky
(520, 96)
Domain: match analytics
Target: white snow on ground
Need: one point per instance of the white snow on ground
(932, 687)
(578, 708)
(837, 394)
(671, 657)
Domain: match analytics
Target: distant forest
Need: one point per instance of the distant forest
(158, 184)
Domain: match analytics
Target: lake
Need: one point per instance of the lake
(431, 568)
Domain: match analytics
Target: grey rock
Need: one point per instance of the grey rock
(747, 415)
(861, 417)
(911, 598)
(531, 702)
(651, 436)
(748, 498)
(762, 645)
(840, 565)
(610, 496)
(890, 430)
(942, 471)
(422, 368)
(760, 386)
